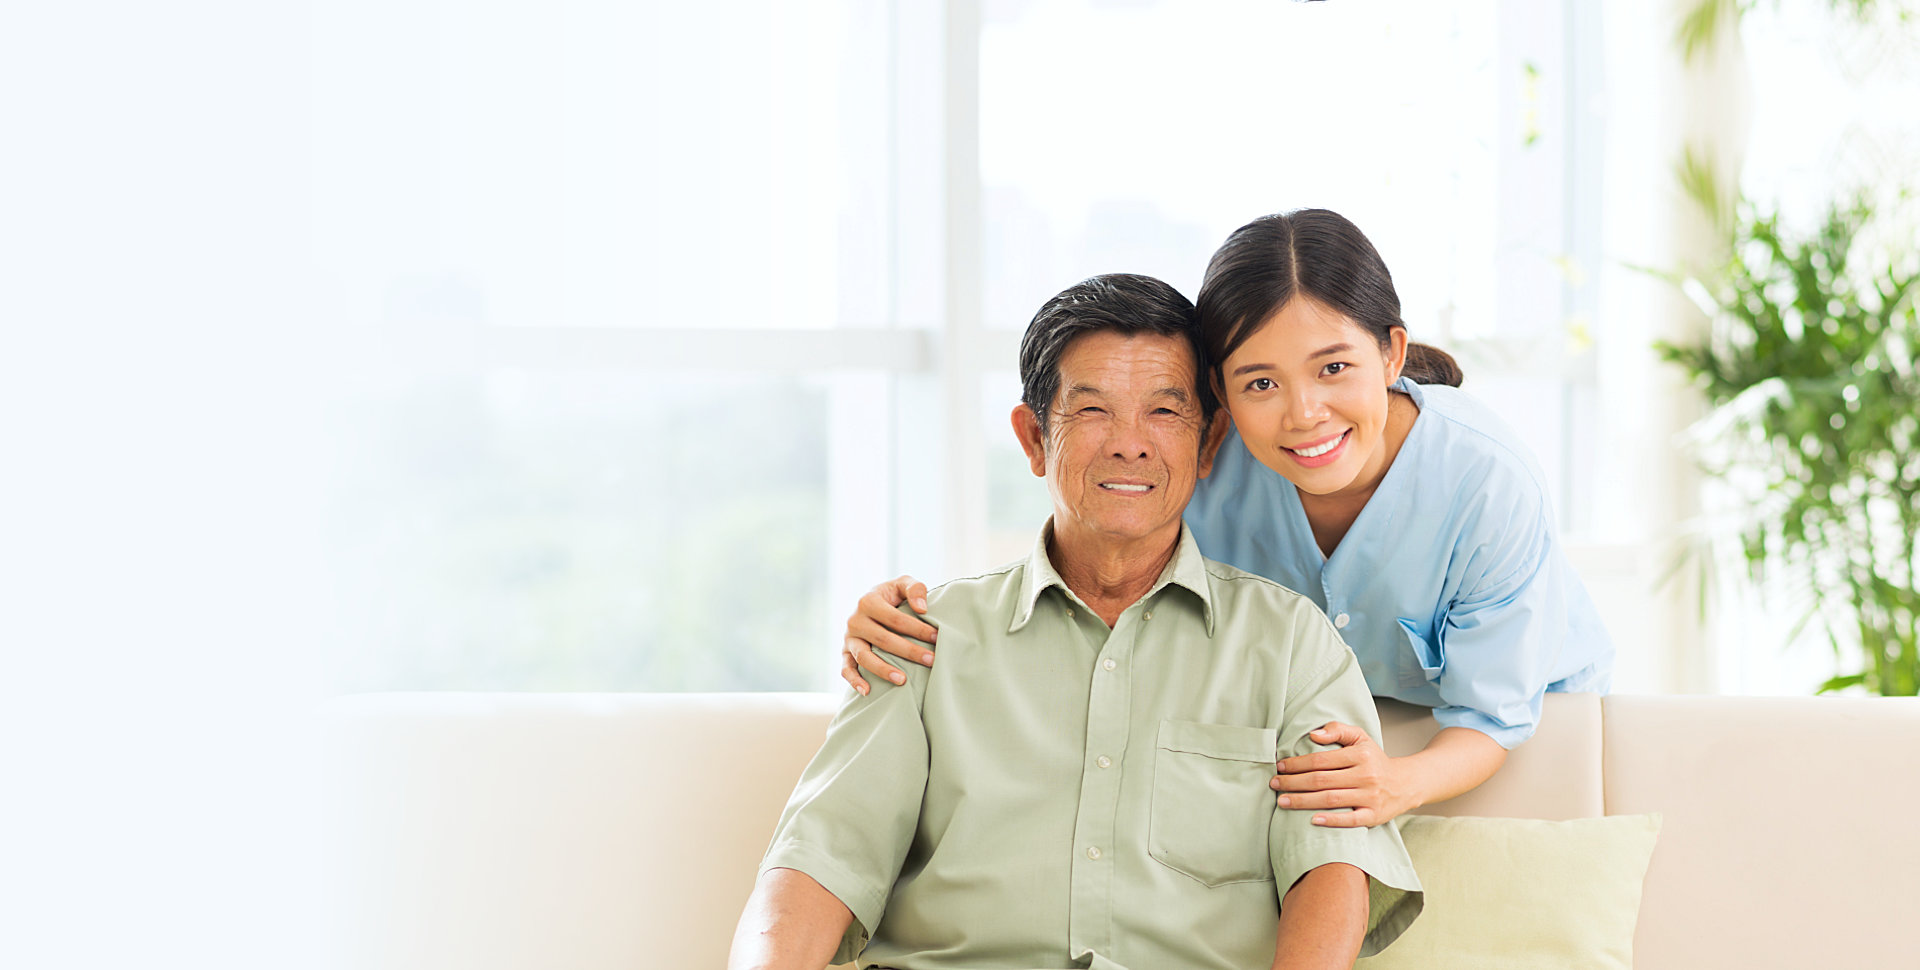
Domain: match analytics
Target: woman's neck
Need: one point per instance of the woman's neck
(1331, 516)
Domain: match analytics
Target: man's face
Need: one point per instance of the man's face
(1125, 441)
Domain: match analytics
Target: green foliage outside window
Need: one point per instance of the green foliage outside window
(1810, 372)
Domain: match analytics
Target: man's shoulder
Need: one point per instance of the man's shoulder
(1253, 590)
(1255, 608)
(987, 583)
(989, 592)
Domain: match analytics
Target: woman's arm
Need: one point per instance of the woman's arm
(1361, 776)
(877, 624)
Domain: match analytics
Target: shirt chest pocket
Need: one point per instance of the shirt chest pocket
(1427, 662)
(1211, 803)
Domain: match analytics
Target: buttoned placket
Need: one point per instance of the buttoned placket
(1336, 608)
(1109, 715)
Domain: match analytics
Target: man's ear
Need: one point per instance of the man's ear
(1210, 442)
(1026, 427)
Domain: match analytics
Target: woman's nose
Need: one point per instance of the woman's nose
(1306, 410)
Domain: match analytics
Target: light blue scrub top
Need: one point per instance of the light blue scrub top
(1451, 587)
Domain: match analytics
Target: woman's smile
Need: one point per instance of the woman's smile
(1324, 451)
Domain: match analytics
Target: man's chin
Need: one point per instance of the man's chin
(1125, 530)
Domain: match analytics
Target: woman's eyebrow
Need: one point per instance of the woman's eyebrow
(1322, 352)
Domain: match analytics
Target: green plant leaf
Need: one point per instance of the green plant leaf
(1841, 683)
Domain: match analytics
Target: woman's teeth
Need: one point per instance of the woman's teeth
(1319, 450)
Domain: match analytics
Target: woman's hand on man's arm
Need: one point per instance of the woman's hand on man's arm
(878, 625)
(1359, 775)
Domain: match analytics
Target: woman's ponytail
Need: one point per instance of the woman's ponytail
(1427, 364)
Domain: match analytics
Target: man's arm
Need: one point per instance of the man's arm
(792, 923)
(1323, 919)
(1324, 686)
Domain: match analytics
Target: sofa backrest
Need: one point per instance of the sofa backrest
(1790, 833)
(566, 831)
(1555, 775)
(584, 831)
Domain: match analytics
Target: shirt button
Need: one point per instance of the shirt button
(1069, 614)
(1340, 622)
(1149, 614)
(1103, 761)
(1093, 852)
(1108, 663)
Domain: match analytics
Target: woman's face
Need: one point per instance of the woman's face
(1308, 392)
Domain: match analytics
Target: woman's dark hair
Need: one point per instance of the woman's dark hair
(1315, 253)
(1119, 302)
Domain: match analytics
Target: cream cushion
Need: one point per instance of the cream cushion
(1519, 894)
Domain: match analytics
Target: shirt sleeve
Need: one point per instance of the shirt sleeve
(1326, 685)
(852, 816)
(1501, 638)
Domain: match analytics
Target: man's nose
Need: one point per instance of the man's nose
(1129, 440)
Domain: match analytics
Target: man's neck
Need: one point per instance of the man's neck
(1108, 576)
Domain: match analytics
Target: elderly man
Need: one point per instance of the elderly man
(1111, 810)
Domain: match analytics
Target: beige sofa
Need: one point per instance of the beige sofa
(593, 832)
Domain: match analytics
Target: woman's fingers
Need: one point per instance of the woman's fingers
(1324, 800)
(1345, 778)
(903, 589)
(850, 671)
(869, 659)
(876, 637)
(1335, 732)
(1333, 760)
(877, 619)
(1358, 818)
(914, 591)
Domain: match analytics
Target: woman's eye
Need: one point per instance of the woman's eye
(1335, 368)
(1261, 384)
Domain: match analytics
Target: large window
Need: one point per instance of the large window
(690, 322)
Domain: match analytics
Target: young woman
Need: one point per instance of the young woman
(1359, 475)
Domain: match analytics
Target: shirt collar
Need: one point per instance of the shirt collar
(1187, 569)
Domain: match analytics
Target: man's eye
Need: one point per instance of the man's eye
(1261, 384)
(1335, 368)
(1092, 410)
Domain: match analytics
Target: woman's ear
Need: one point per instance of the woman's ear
(1026, 427)
(1396, 353)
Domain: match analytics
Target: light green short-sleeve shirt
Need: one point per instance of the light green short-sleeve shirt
(1051, 789)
